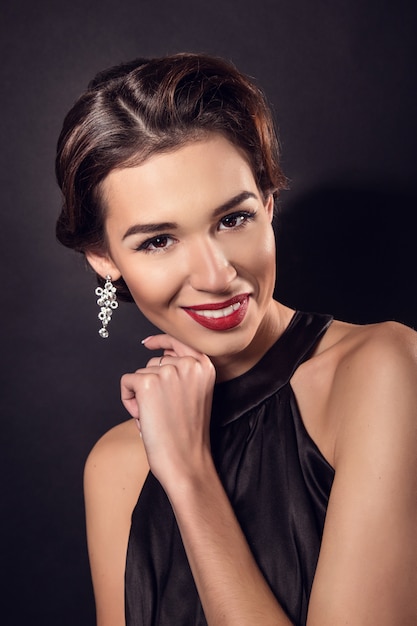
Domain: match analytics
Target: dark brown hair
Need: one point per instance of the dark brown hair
(137, 109)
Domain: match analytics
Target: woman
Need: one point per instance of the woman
(274, 479)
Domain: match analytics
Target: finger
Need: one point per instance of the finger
(167, 359)
(159, 361)
(170, 345)
(128, 395)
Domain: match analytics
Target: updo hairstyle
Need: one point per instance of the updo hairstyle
(132, 111)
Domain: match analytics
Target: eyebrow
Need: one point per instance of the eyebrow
(159, 227)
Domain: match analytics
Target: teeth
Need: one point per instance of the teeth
(216, 313)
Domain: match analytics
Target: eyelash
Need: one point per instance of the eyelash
(145, 246)
(246, 216)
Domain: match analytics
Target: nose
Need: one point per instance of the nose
(209, 268)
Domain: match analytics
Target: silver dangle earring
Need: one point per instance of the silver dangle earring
(107, 302)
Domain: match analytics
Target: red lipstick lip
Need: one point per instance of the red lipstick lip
(218, 305)
(224, 322)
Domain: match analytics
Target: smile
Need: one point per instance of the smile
(222, 315)
(216, 313)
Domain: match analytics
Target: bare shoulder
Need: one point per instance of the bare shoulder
(355, 353)
(118, 460)
(356, 369)
(373, 339)
(373, 357)
(373, 396)
(115, 472)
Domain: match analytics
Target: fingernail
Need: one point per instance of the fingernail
(146, 339)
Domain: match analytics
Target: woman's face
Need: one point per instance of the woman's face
(191, 235)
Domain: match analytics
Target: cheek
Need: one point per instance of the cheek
(151, 286)
(261, 257)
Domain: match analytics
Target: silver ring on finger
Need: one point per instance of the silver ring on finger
(160, 360)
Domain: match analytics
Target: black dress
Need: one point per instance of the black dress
(276, 479)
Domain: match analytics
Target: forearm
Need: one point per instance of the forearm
(230, 585)
(173, 402)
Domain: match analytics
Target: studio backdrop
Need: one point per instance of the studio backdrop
(341, 78)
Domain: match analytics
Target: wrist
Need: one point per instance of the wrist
(194, 480)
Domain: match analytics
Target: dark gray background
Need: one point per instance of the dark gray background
(341, 77)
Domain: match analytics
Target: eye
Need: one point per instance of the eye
(161, 242)
(236, 220)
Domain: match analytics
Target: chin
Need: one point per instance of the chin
(229, 343)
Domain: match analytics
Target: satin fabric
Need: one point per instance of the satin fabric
(275, 477)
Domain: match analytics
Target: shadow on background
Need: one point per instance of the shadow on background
(341, 79)
(350, 251)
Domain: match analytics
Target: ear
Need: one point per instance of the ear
(103, 265)
(269, 206)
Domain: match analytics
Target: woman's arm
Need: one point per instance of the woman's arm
(173, 403)
(230, 585)
(114, 474)
(367, 570)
